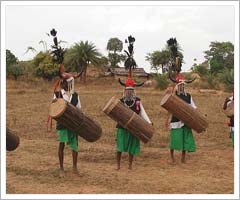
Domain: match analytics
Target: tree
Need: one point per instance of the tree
(115, 46)
(12, 67)
(33, 50)
(161, 80)
(10, 59)
(158, 59)
(44, 66)
(201, 70)
(104, 61)
(220, 55)
(15, 70)
(79, 56)
(166, 58)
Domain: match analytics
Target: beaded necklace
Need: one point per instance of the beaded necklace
(133, 99)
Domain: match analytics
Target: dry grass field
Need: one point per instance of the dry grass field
(33, 167)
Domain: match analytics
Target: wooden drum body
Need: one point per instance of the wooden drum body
(12, 140)
(184, 112)
(128, 119)
(73, 119)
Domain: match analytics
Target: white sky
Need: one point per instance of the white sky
(193, 26)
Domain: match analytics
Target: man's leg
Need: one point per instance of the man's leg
(75, 156)
(61, 157)
(172, 155)
(119, 154)
(183, 156)
(130, 161)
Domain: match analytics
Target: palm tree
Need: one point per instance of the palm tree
(80, 55)
(33, 50)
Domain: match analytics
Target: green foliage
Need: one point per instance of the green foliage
(213, 81)
(158, 59)
(12, 66)
(115, 46)
(80, 55)
(227, 77)
(221, 56)
(26, 66)
(162, 81)
(47, 70)
(115, 58)
(40, 57)
(44, 66)
(104, 61)
(201, 70)
(11, 59)
(15, 70)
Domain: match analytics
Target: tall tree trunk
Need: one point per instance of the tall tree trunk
(85, 74)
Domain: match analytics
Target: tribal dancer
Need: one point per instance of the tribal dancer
(126, 142)
(66, 84)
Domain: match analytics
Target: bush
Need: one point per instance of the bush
(201, 70)
(15, 70)
(213, 80)
(44, 66)
(47, 70)
(162, 81)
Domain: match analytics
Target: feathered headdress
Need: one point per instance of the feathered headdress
(58, 57)
(176, 62)
(130, 64)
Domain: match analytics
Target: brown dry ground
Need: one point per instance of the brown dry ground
(33, 166)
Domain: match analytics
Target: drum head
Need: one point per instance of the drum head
(57, 108)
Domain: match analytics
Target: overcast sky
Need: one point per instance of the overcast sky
(193, 26)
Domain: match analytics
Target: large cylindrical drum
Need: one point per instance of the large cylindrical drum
(128, 119)
(73, 119)
(12, 140)
(229, 111)
(184, 112)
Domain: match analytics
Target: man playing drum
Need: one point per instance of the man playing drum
(127, 142)
(65, 135)
(181, 137)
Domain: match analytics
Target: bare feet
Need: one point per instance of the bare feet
(183, 160)
(75, 171)
(173, 161)
(61, 173)
(130, 167)
(118, 168)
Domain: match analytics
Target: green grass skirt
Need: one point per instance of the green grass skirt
(70, 137)
(126, 142)
(182, 139)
